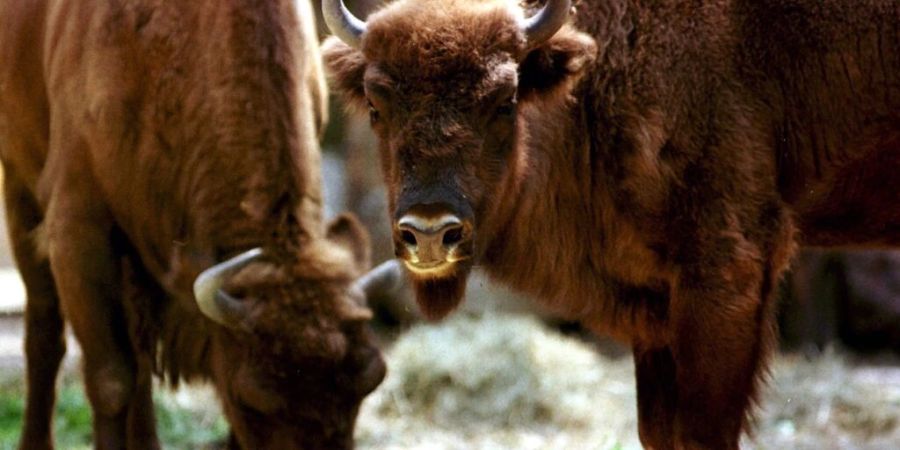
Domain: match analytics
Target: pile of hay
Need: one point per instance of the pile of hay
(498, 381)
(827, 403)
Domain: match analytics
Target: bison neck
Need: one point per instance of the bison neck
(559, 236)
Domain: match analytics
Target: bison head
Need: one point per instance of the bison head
(293, 357)
(447, 85)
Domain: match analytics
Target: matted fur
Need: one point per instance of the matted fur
(144, 141)
(663, 162)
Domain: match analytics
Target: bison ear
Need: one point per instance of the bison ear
(346, 231)
(346, 67)
(555, 65)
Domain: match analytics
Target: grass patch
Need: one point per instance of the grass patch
(10, 417)
(183, 422)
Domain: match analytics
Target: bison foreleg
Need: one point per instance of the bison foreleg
(723, 332)
(44, 341)
(655, 373)
(141, 419)
(139, 291)
(87, 275)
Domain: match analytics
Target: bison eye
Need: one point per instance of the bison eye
(507, 108)
(373, 113)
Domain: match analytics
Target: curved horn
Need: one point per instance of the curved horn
(382, 280)
(342, 22)
(214, 302)
(546, 22)
(385, 288)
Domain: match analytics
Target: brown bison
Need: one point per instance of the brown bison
(647, 169)
(146, 143)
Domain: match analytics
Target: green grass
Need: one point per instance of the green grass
(178, 426)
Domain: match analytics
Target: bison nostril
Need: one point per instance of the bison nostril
(408, 237)
(452, 236)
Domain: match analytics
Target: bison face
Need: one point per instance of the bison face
(448, 86)
(295, 357)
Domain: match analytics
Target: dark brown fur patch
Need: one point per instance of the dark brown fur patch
(439, 297)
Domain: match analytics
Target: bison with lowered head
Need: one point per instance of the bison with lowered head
(647, 169)
(163, 194)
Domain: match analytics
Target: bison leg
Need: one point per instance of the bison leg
(141, 420)
(724, 332)
(140, 291)
(655, 372)
(87, 276)
(45, 344)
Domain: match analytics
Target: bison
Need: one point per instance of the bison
(647, 168)
(163, 194)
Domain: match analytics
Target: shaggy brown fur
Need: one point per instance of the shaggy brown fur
(649, 170)
(144, 141)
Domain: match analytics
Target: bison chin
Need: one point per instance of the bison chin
(437, 297)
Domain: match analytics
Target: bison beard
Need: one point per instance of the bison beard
(440, 296)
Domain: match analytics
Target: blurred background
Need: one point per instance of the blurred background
(503, 374)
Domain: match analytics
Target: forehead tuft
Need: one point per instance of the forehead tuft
(441, 37)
